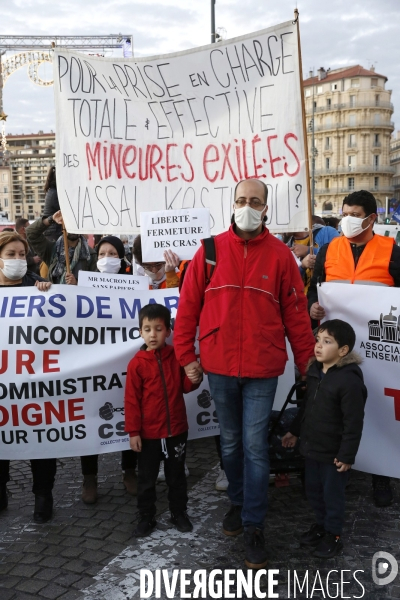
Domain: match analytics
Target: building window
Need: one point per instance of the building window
(355, 83)
(376, 99)
(319, 89)
(351, 161)
(329, 102)
(327, 184)
(3, 177)
(376, 140)
(327, 163)
(376, 160)
(5, 202)
(374, 82)
(334, 87)
(5, 189)
(315, 105)
(327, 206)
(327, 143)
(352, 100)
(352, 140)
(308, 93)
(328, 121)
(350, 183)
(376, 183)
(352, 120)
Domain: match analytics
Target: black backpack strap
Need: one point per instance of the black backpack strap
(210, 257)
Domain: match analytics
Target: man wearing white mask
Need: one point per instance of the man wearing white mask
(252, 300)
(358, 257)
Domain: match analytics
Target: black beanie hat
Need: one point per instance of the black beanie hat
(114, 241)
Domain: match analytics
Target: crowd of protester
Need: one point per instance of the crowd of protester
(253, 293)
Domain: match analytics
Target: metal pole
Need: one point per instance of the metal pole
(1, 83)
(213, 21)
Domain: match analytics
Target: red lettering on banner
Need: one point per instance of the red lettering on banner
(286, 138)
(24, 362)
(185, 148)
(4, 361)
(272, 159)
(50, 409)
(47, 361)
(73, 409)
(168, 165)
(207, 160)
(396, 395)
(36, 417)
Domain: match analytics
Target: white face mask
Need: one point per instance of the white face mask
(14, 268)
(155, 276)
(352, 226)
(109, 264)
(247, 218)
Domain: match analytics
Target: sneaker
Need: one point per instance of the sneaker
(329, 546)
(43, 508)
(145, 526)
(181, 522)
(255, 554)
(161, 472)
(130, 481)
(89, 489)
(3, 497)
(382, 491)
(313, 536)
(187, 472)
(221, 485)
(232, 524)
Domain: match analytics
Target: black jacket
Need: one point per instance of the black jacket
(52, 205)
(330, 422)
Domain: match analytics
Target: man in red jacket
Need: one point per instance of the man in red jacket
(254, 299)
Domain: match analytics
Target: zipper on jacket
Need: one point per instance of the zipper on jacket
(165, 394)
(241, 305)
(207, 334)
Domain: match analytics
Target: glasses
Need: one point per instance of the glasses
(241, 202)
(152, 266)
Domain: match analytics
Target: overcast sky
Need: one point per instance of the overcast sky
(334, 33)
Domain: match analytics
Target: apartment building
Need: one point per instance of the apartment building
(348, 116)
(395, 163)
(5, 191)
(29, 158)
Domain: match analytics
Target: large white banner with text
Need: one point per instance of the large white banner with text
(179, 131)
(377, 326)
(64, 356)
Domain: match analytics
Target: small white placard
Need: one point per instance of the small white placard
(176, 230)
(108, 281)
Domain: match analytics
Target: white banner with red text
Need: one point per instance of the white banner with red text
(374, 313)
(179, 131)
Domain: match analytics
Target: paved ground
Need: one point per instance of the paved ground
(88, 552)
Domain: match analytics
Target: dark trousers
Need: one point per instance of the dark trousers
(325, 489)
(217, 439)
(174, 466)
(89, 463)
(43, 474)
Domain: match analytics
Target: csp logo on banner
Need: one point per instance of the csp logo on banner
(381, 561)
(107, 430)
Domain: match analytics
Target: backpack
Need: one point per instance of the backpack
(210, 261)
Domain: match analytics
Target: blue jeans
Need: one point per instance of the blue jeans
(243, 407)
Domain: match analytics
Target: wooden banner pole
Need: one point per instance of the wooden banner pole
(303, 108)
(66, 249)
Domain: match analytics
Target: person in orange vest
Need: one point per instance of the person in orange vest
(358, 257)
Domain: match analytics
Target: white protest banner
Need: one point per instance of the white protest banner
(178, 230)
(107, 281)
(63, 366)
(376, 324)
(179, 131)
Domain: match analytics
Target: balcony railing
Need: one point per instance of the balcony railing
(356, 169)
(350, 105)
(361, 123)
(389, 189)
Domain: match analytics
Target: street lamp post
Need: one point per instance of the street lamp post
(212, 21)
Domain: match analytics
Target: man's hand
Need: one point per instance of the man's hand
(300, 251)
(135, 443)
(58, 218)
(172, 260)
(37, 259)
(308, 261)
(317, 311)
(342, 466)
(70, 279)
(289, 440)
(43, 286)
(193, 370)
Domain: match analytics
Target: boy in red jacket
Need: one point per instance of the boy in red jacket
(155, 417)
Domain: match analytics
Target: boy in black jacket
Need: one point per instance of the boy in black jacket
(330, 425)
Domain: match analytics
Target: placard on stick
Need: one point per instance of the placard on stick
(108, 281)
(178, 230)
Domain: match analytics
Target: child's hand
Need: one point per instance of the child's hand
(289, 440)
(135, 443)
(342, 466)
(196, 378)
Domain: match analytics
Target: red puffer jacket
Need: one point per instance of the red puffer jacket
(154, 404)
(254, 299)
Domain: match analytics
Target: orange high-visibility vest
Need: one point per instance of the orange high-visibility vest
(372, 267)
